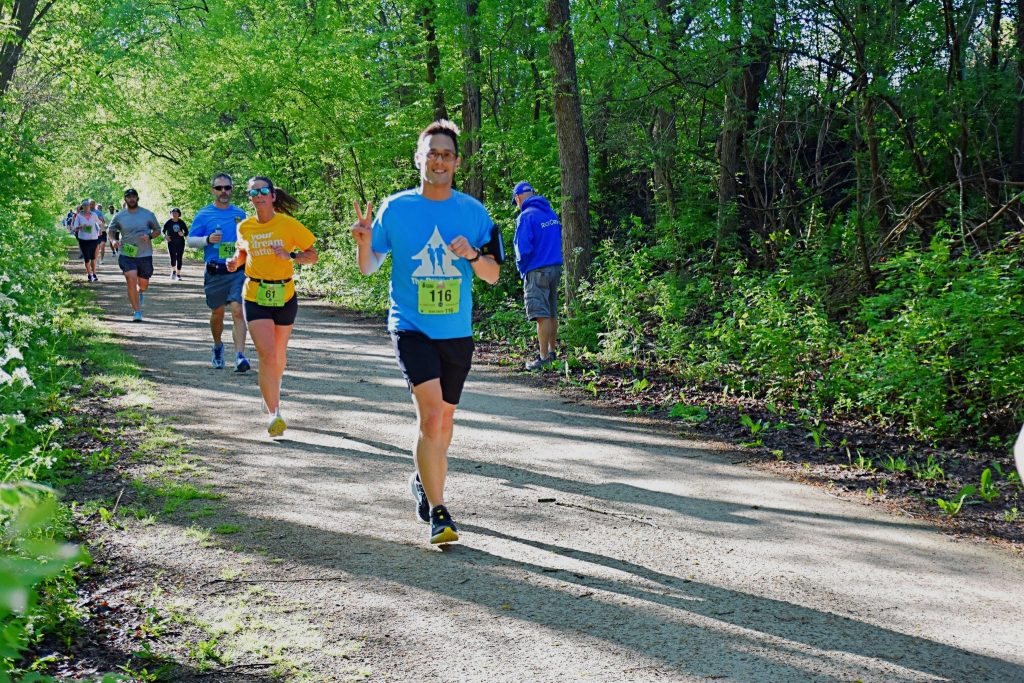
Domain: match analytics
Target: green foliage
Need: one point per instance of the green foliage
(894, 464)
(986, 489)
(926, 357)
(691, 414)
(33, 559)
(930, 470)
(953, 506)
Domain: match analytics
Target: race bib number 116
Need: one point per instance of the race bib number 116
(439, 297)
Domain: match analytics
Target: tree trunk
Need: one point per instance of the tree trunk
(996, 30)
(572, 149)
(427, 12)
(1017, 163)
(21, 20)
(739, 114)
(471, 103)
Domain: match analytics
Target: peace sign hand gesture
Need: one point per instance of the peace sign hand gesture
(362, 228)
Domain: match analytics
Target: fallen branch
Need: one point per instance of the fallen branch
(244, 581)
(638, 520)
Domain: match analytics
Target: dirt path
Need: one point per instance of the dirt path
(658, 558)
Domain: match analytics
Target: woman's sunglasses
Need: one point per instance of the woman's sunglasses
(259, 191)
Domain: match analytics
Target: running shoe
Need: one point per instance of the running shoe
(442, 528)
(95, 277)
(537, 363)
(241, 364)
(217, 361)
(137, 317)
(277, 425)
(422, 505)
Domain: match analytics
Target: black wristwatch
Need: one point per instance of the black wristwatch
(293, 254)
(475, 258)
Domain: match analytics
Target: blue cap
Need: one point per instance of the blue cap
(520, 188)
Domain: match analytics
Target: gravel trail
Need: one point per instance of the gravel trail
(595, 547)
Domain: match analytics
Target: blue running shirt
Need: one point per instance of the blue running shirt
(431, 288)
(206, 222)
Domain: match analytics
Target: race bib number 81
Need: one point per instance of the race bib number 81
(439, 297)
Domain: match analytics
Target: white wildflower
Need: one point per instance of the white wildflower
(5, 378)
(21, 374)
(56, 422)
(11, 353)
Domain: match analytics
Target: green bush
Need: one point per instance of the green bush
(943, 344)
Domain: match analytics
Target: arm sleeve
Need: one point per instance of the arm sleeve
(197, 238)
(523, 240)
(303, 238)
(184, 229)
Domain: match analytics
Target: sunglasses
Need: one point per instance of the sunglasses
(222, 188)
(260, 191)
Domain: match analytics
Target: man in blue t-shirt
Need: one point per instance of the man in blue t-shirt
(214, 231)
(437, 239)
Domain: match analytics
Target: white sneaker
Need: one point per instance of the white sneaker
(277, 425)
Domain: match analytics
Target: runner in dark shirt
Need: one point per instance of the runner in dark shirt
(176, 231)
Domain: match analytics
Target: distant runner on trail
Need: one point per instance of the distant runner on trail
(176, 230)
(131, 232)
(101, 246)
(214, 230)
(111, 211)
(437, 238)
(268, 244)
(87, 225)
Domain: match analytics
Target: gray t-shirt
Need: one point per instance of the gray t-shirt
(129, 227)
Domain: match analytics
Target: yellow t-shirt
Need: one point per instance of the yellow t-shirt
(261, 262)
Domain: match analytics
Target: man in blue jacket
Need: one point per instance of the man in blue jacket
(538, 243)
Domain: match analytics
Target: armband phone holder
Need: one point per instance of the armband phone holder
(495, 248)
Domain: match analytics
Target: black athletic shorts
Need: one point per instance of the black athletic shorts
(423, 359)
(142, 265)
(281, 315)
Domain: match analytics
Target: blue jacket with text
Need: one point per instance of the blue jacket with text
(538, 240)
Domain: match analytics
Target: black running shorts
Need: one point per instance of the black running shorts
(423, 359)
(281, 315)
(142, 265)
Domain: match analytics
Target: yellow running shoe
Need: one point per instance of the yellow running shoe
(277, 425)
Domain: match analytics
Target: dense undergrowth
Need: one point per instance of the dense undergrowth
(935, 351)
(39, 351)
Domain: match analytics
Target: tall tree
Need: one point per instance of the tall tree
(428, 15)
(573, 156)
(742, 100)
(18, 21)
(471, 102)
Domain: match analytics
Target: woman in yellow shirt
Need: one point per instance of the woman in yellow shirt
(268, 244)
